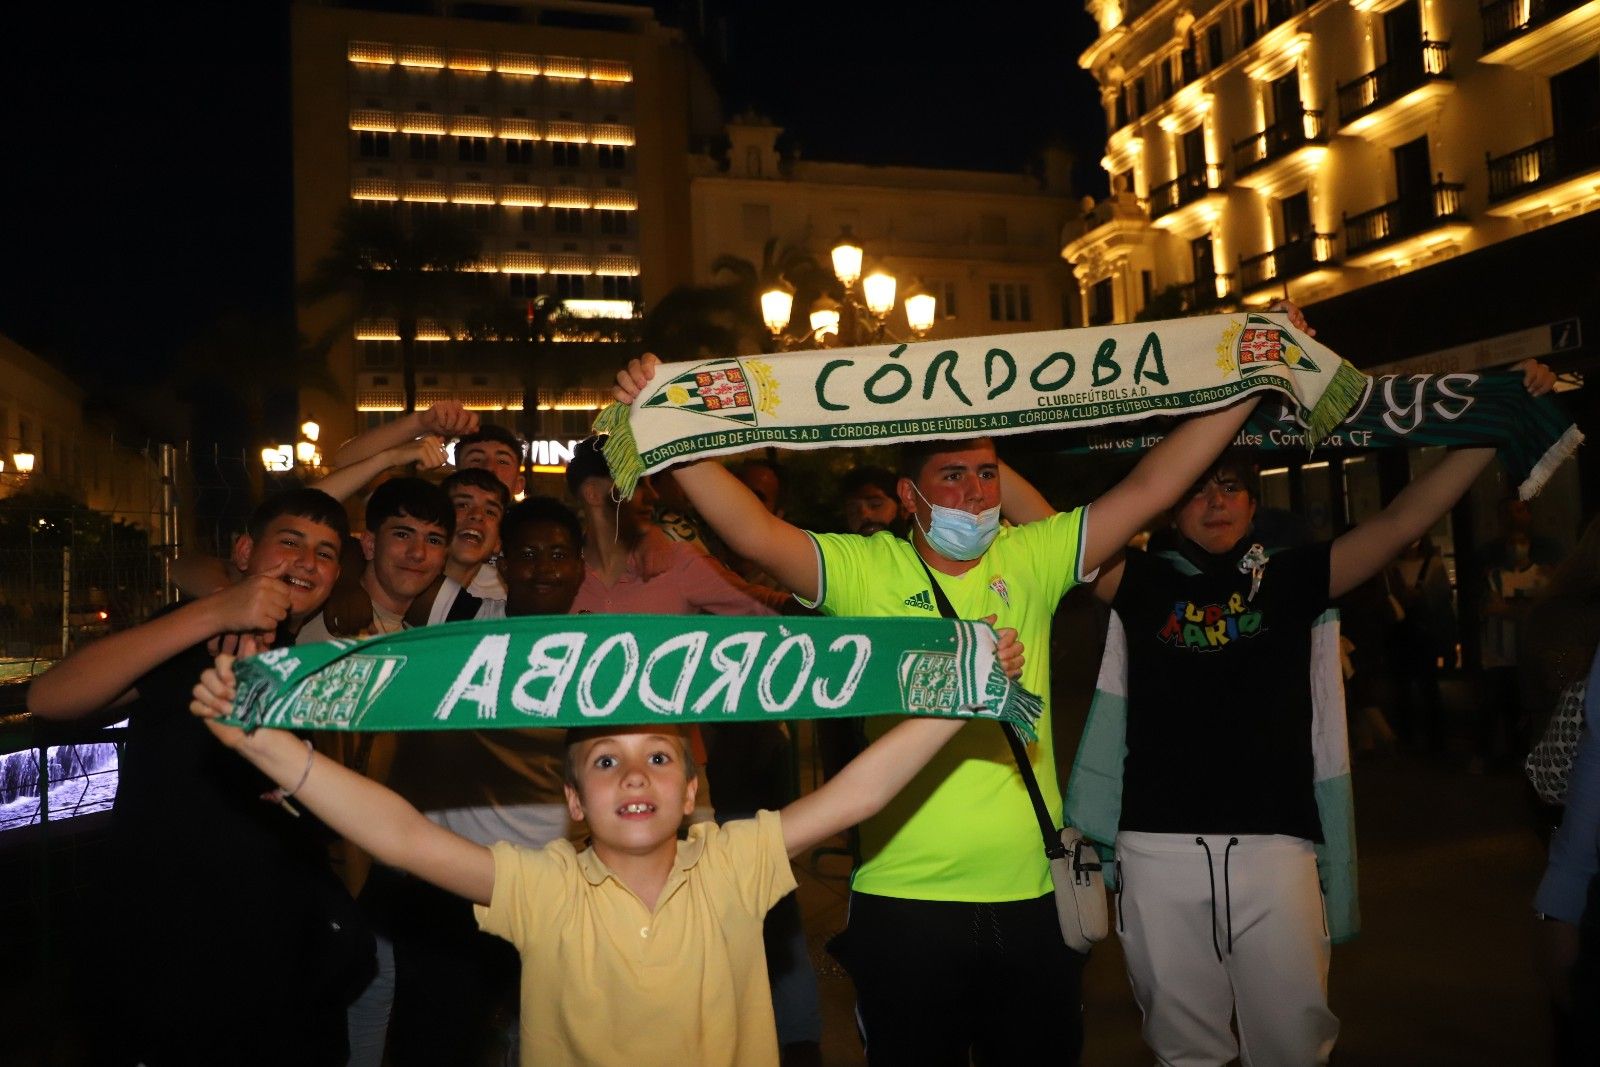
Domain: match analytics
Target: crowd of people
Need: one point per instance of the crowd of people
(624, 894)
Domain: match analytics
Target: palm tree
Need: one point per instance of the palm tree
(386, 266)
(788, 263)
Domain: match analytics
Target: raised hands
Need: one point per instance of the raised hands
(213, 694)
(448, 419)
(427, 452)
(634, 377)
(1536, 377)
(1010, 651)
(1297, 318)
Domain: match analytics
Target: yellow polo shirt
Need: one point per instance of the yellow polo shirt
(605, 980)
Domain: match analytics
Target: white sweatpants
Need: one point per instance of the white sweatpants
(1236, 933)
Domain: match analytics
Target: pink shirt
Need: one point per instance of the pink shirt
(684, 582)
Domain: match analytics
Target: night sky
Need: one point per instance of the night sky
(149, 193)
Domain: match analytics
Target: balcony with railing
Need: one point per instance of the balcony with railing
(1539, 35)
(1410, 81)
(1284, 144)
(1191, 190)
(1402, 229)
(1293, 259)
(1549, 176)
(1206, 291)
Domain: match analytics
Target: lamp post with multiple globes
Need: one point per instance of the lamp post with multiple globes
(861, 318)
(282, 459)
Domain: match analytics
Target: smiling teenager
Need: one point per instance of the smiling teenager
(213, 887)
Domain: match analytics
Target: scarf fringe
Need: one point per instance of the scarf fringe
(1341, 396)
(621, 450)
(1013, 704)
(1553, 457)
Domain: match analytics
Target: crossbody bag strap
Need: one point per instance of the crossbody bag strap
(1053, 848)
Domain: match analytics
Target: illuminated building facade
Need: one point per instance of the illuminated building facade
(984, 244)
(556, 132)
(1261, 148)
(1422, 176)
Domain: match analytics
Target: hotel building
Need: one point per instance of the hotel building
(558, 132)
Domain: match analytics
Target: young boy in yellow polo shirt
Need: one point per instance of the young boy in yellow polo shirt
(641, 949)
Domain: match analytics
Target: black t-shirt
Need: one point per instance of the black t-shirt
(1219, 694)
(222, 898)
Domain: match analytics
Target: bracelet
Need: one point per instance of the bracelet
(311, 754)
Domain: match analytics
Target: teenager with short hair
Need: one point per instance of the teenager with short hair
(215, 887)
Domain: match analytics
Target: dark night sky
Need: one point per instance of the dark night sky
(149, 194)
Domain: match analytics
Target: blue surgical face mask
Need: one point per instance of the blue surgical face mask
(957, 534)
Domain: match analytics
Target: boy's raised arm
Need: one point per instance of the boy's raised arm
(102, 674)
(1365, 550)
(733, 511)
(447, 419)
(372, 816)
(866, 783)
(344, 482)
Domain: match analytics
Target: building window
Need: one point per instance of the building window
(566, 154)
(372, 144)
(569, 286)
(616, 287)
(1140, 101)
(945, 293)
(611, 156)
(522, 286)
(530, 220)
(1102, 305)
(1010, 302)
(1214, 53)
(1249, 24)
(377, 354)
(614, 223)
(472, 149)
(519, 153)
(423, 145)
(566, 220)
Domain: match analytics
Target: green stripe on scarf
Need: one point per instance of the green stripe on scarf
(1464, 409)
(974, 387)
(584, 670)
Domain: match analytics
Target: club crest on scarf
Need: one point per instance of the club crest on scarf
(1260, 342)
(928, 681)
(338, 696)
(734, 389)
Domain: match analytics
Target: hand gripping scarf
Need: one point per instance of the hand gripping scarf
(974, 387)
(586, 670)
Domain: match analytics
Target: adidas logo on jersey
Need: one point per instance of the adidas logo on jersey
(920, 600)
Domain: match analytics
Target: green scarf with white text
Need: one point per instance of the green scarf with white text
(586, 670)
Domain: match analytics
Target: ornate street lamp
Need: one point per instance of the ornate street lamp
(847, 259)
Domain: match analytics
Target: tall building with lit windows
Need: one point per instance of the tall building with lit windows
(1314, 148)
(1422, 176)
(557, 130)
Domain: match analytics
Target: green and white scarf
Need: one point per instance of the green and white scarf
(974, 387)
(586, 670)
(1534, 435)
